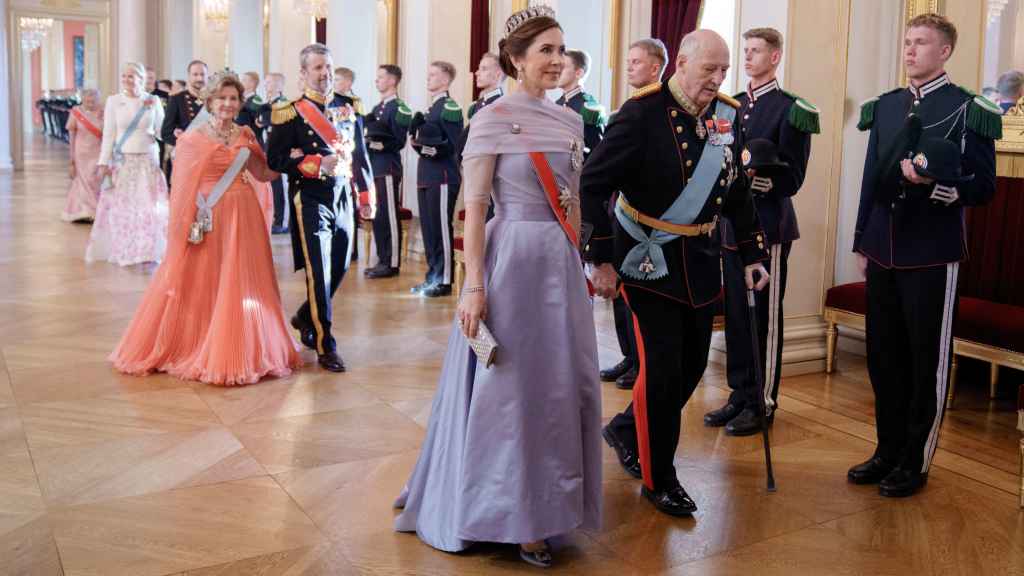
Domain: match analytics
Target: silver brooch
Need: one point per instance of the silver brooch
(517, 129)
(576, 154)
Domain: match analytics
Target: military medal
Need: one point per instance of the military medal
(576, 154)
(647, 266)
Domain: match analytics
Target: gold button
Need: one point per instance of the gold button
(721, 182)
(760, 245)
(679, 129)
(689, 163)
(724, 166)
(718, 200)
(310, 132)
(674, 113)
(686, 145)
(745, 116)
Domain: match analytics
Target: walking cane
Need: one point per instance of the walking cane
(759, 380)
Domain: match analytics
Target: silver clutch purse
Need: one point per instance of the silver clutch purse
(484, 345)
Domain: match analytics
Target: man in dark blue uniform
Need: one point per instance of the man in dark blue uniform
(274, 85)
(183, 107)
(673, 152)
(343, 94)
(321, 150)
(574, 74)
(910, 239)
(489, 78)
(387, 129)
(435, 136)
(770, 113)
(252, 104)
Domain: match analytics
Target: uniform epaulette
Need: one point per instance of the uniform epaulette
(357, 103)
(403, 116)
(646, 90)
(593, 114)
(282, 112)
(452, 112)
(588, 98)
(473, 108)
(984, 117)
(729, 100)
(803, 115)
(867, 114)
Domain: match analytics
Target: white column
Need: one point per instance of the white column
(5, 117)
(53, 58)
(352, 36)
(760, 14)
(245, 35)
(131, 31)
(92, 56)
(180, 21)
(290, 32)
(586, 25)
(414, 57)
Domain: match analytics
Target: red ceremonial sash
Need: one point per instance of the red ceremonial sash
(315, 118)
(82, 119)
(547, 181)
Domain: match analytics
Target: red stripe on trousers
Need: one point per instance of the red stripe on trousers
(643, 440)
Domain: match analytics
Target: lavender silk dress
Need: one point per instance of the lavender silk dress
(513, 452)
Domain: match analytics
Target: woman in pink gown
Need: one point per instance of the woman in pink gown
(213, 310)
(85, 125)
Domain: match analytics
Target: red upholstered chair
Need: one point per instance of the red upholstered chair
(404, 220)
(457, 246)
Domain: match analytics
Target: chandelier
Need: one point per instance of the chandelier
(217, 13)
(315, 8)
(33, 32)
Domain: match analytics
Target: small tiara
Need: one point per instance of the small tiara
(523, 16)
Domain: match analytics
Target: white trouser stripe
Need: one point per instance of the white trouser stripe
(392, 218)
(942, 371)
(771, 350)
(445, 238)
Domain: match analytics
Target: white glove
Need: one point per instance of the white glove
(761, 184)
(376, 145)
(429, 151)
(945, 194)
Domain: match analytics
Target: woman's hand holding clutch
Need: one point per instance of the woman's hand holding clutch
(472, 309)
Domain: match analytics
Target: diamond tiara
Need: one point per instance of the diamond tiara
(523, 16)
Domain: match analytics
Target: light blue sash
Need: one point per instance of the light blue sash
(205, 204)
(646, 261)
(132, 126)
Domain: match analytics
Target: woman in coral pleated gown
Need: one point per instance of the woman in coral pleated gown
(213, 310)
(85, 125)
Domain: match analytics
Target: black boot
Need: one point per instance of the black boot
(723, 415)
(627, 458)
(615, 372)
(674, 501)
(870, 472)
(901, 483)
(746, 423)
(627, 380)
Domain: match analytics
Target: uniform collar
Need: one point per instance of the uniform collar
(440, 96)
(493, 93)
(930, 86)
(315, 96)
(688, 105)
(389, 99)
(572, 93)
(755, 93)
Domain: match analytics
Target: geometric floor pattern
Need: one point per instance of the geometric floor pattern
(105, 474)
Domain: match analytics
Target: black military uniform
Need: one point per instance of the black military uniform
(485, 100)
(281, 210)
(321, 220)
(182, 109)
(387, 129)
(348, 100)
(651, 150)
(914, 242)
(437, 182)
(593, 116)
(770, 113)
(338, 100)
(247, 116)
(165, 98)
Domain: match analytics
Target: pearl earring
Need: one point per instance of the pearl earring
(519, 74)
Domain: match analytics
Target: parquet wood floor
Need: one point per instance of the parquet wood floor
(104, 474)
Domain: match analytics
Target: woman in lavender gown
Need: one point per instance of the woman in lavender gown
(512, 452)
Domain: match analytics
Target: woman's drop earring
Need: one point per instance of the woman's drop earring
(519, 74)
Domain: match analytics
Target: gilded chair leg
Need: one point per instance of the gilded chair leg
(951, 392)
(1022, 472)
(831, 336)
(405, 241)
(458, 280)
(993, 380)
(368, 232)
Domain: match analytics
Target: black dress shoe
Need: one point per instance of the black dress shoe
(438, 290)
(723, 415)
(331, 361)
(615, 372)
(627, 380)
(674, 501)
(870, 472)
(746, 423)
(279, 230)
(382, 272)
(307, 334)
(419, 288)
(629, 461)
(901, 483)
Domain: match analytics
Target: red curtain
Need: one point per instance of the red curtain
(670, 21)
(321, 31)
(479, 36)
(995, 240)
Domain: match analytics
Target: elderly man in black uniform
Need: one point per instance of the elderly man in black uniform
(574, 74)
(673, 154)
(435, 136)
(387, 129)
(786, 121)
(909, 240)
(645, 64)
(183, 108)
(321, 150)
